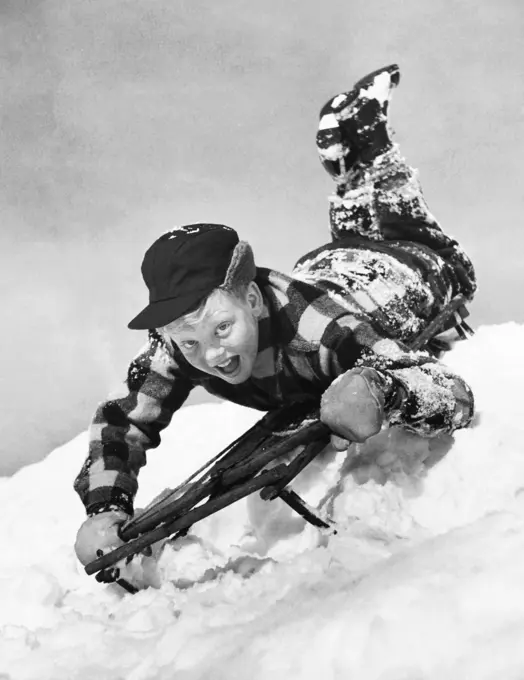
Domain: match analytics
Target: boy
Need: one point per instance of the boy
(266, 340)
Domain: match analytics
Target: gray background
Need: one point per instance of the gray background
(122, 118)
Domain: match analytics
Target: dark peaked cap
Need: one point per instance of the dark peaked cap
(185, 265)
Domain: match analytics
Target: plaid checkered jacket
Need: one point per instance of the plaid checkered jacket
(308, 335)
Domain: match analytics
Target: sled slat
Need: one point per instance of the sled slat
(136, 546)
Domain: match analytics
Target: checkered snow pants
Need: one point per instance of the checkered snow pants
(389, 259)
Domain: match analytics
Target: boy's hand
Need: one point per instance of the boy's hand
(98, 535)
(99, 532)
(353, 405)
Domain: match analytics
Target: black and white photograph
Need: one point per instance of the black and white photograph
(262, 348)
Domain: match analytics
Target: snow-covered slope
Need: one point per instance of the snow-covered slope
(424, 578)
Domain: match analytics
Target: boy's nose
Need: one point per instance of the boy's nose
(214, 355)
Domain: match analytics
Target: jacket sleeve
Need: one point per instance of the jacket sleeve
(125, 427)
(422, 394)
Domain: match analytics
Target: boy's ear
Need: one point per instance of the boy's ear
(254, 299)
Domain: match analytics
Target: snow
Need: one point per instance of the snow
(423, 579)
(327, 122)
(380, 88)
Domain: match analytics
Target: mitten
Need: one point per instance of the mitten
(353, 405)
(99, 532)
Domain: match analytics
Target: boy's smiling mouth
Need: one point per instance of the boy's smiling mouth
(230, 366)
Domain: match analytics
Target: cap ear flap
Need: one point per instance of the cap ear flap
(242, 269)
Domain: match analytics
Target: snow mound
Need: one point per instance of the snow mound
(422, 580)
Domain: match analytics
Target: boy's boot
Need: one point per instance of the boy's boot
(353, 125)
(375, 186)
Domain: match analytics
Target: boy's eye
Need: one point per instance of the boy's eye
(223, 327)
(188, 344)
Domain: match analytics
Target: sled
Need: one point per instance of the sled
(242, 468)
(253, 463)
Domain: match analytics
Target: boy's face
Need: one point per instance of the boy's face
(221, 339)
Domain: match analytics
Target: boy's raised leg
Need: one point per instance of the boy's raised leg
(378, 195)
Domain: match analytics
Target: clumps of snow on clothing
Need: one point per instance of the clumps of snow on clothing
(433, 391)
(375, 192)
(422, 580)
(371, 283)
(380, 89)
